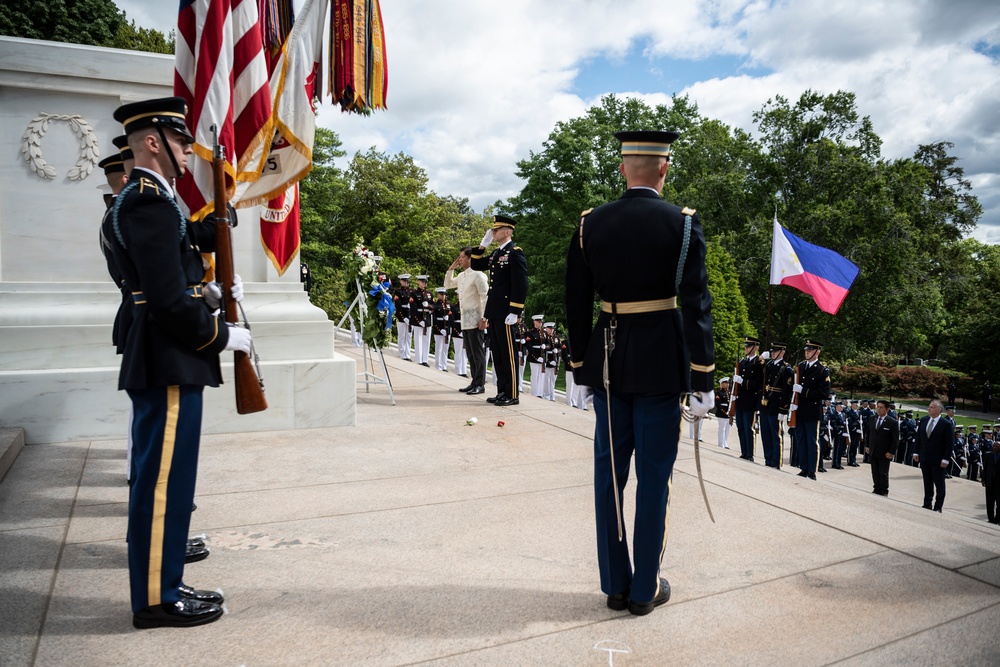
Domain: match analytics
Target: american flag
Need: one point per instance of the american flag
(222, 73)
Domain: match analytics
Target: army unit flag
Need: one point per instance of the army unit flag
(822, 274)
(359, 75)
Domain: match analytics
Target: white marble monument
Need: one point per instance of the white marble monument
(58, 369)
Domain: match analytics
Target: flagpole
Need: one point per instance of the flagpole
(767, 330)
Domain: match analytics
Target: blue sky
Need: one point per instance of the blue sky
(476, 86)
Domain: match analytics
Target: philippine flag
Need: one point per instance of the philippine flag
(822, 274)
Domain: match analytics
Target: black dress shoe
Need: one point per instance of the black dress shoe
(188, 593)
(196, 542)
(504, 402)
(463, 375)
(812, 476)
(180, 614)
(494, 399)
(803, 473)
(838, 467)
(854, 465)
(466, 389)
(476, 390)
(193, 507)
(641, 609)
(426, 364)
(195, 554)
(618, 601)
(821, 470)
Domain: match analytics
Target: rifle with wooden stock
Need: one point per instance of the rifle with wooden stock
(249, 386)
(736, 391)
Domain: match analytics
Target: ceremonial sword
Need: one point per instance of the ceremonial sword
(697, 459)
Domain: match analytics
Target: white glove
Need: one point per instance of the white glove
(237, 289)
(585, 391)
(765, 355)
(701, 402)
(792, 408)
(487, 239)
(425, 304)
(406, 320)
(213, 295)
(797, 388)
(239, 340)
(510, 319)
(738, 379)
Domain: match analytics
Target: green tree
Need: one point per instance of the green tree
(93, 22)
(731, 322)
(976, 336)
(320, 195)
(134, 38)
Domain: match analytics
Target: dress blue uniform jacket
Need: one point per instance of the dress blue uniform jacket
(173, 338)
(508, 279)
(639, 239)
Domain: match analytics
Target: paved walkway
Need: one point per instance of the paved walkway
(413, 538)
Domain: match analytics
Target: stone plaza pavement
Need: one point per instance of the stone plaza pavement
(413, 538)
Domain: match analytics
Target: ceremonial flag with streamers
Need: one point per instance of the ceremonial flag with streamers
(293, 91)
(359, 78)
(221, 71)
(822, 274)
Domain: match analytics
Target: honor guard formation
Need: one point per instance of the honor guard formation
(646, 363)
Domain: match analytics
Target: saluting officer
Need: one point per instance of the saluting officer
(421, 319)
(750, 378)
(651, 352)
(401, 299)
(508, 290)
(813, 388)
(171, 352)
(774, 401)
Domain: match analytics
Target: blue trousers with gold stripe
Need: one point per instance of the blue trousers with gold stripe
(648, 426)
(166, 430)
(504, 358)
(807, 440)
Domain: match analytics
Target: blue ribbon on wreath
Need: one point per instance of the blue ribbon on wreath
(384, 301)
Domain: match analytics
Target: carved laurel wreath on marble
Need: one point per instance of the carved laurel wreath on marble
(31, 146)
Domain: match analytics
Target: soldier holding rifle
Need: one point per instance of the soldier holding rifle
(171, 354)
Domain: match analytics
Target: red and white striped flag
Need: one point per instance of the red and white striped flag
(222, 73)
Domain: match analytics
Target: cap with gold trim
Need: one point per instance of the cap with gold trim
(168, 112)
(647, 142)
(121, 143)
(503, 221)
(112, 164)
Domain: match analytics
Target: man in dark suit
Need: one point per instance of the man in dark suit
(991, 482)
(882, 435)
(171, 353)
(642, 354)
(750, 378)
(508, 289)
(935, 435)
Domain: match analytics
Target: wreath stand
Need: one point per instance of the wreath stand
(369, 376)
